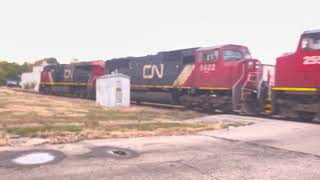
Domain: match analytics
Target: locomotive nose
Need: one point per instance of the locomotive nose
(253, 64)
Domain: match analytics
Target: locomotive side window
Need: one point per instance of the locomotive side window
(209, 56)
(311, 42)
(200, 56)
(232, 55)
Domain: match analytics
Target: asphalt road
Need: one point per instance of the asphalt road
(268, 149)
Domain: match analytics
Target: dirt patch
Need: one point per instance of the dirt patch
(3, 139)
(135, 130)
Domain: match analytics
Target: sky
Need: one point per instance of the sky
(105, 29)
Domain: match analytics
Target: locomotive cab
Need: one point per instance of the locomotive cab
(220, 67)
(225, 76)
(308, 57)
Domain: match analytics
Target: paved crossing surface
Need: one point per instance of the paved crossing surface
(267, 149)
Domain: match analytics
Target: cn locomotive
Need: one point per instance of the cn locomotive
(215, 78)
(71, 79)
(296, 92)
(224, 78)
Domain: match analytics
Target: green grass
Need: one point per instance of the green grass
(154, 126)
(101, 114)
(28, 131)
(10, 116)
(183, 114)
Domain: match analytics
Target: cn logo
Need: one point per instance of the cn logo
(308, 60)
(150, 70)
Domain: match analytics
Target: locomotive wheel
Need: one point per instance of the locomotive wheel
(227, 109)
(81, 94)
(250, 108)
(189, 106)
(296, 115)
(305, 116)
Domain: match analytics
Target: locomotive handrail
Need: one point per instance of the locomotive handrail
(235, 97)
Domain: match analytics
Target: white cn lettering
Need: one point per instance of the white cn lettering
(149, 71)
(308, 60)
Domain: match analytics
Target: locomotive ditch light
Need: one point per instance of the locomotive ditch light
(250, 64)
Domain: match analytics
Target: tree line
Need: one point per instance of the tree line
(13, 71)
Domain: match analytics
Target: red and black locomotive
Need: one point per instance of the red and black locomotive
(71, 79)
(210, 78)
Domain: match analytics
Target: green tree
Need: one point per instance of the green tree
(26, 67)
(50, 60)
(13, 71)
(9, 71)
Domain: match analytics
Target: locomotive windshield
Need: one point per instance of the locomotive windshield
(311, 41)
(232, 55)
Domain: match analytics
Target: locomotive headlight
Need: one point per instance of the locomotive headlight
(250, 64)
